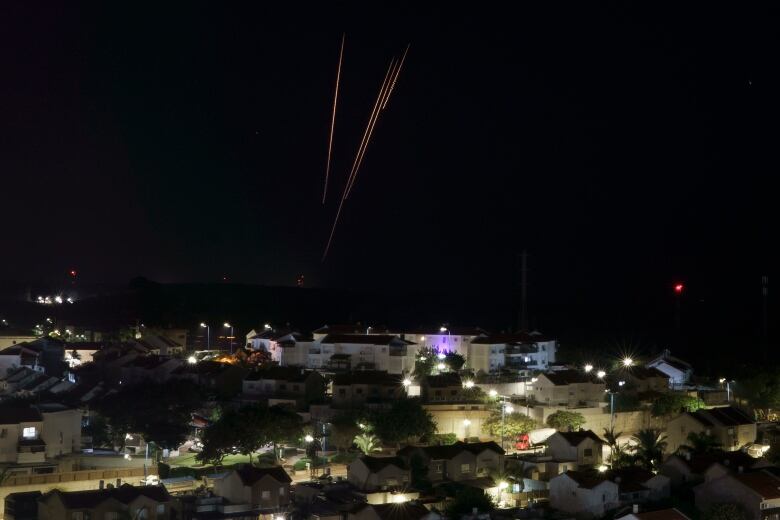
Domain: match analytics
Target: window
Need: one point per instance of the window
(160, 509)
(465, 468)
(281, 491)
(437, 467)
(29, 432)
(588, 452)
(111, 515)
(265, 495)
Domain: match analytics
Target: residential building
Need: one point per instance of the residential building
(520, 351)
(370, 474)
(731, 427)
(289, 383)
(757, 492)
(358, 388)
(385, 352)
(14, 357)
(162, 344)
(678, 371)
(446, 387)
(457, 462)
(658, 514)
(583, 447)
(44, 354)
(687, 468)
(398, 511)
(267, 489)
(10, 337)
(583, 493)
(25, 382)
(647, 380)
(148, 502)
(32, 435)
(149, 368)
(570, 388)
(446, 339)
(638, 485)
(270, 339)
(22, 505)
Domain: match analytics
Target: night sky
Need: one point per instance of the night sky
(626, 147)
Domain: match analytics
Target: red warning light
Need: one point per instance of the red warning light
(678, 288)
(73, 273)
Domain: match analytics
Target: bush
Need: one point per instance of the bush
(301, 464)
(164, 470)
(444, 439)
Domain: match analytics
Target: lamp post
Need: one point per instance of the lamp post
(466, 424)
(208, 335)
(728, 388)
(229, 326)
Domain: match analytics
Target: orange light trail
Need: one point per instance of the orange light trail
(333, 118)
(370, 125)
(397, 72)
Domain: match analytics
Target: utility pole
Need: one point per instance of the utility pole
(524, 290)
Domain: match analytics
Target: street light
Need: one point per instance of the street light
(627, 362)
(192, 360)
(229, 326)
(492, 393)
(441, 355)
(267, 326)
(601, 374)
(588, 368)
(407, 382)
(308, 438)
(441, 366)
(728, 388)
(208, 335)
(469, 384)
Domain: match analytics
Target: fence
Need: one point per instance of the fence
(74, 476)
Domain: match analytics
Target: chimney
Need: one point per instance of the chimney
(635, 509)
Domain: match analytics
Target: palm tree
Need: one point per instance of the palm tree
(612, 439)
(617, 456)
(699, 443)
(367, 443)
(649, 448)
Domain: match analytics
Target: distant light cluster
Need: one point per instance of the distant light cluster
(53, 300)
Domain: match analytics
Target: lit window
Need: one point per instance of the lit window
(266, 495)
(281, 491)
(465, 468)
(29, 432)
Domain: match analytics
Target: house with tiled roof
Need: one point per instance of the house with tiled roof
(646, 379)
(569, 388)
(731, 427)
(264, 489)
(152, 502)
(584, 493)
(658, 514)
(370, 474)
(360, 387)
(678, 371)
(522, 351)
(638, 485)
(10, 336)
(289, 383)
(393, 511)
(756, 492)
(687, 468)
(461, 461)
(582, 447)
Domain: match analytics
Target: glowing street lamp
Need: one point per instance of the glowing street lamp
(601, 374)
(208, 335)
(192, 360)
(469, 384)
(229, 326)
(407, 382)
(588, 368)
(441, 366)
(492, 393)
(267, 326)
(441, 355)
(309, 438)
(627, 362)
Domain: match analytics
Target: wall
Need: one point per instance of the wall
(449, 419)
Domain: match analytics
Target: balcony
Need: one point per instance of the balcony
(30, 451)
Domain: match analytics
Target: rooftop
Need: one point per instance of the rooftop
(124, 493)
(722, 416)
(764, 484)
(587, 480)
(367, 377)
(251, 474)
(379, 463)
(576, 438)
(568, 377)
(403, 511)
(662, 514)
(277, 373)
(447, 451)
(15, 414)
(364, 339)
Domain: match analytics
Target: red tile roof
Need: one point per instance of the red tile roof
(762, 483)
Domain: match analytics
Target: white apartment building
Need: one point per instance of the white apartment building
(31, 435)
(520, 351)
(385, 352)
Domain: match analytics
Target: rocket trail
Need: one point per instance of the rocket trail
(397, 72)
(370, 125)
(333, 117)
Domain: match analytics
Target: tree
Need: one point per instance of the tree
(343, 430)
(98, 429)
(762, 392)
(406, 421)
(252, 428)
(466, 499)
(564, 420)
(219, 438)
(367, 443)
(672, 404)
(284, 424)
(649, 448)
(515, 424)
(424, 361)
(618, 458)
(454, 361)
(725, 512)
(700, 442)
